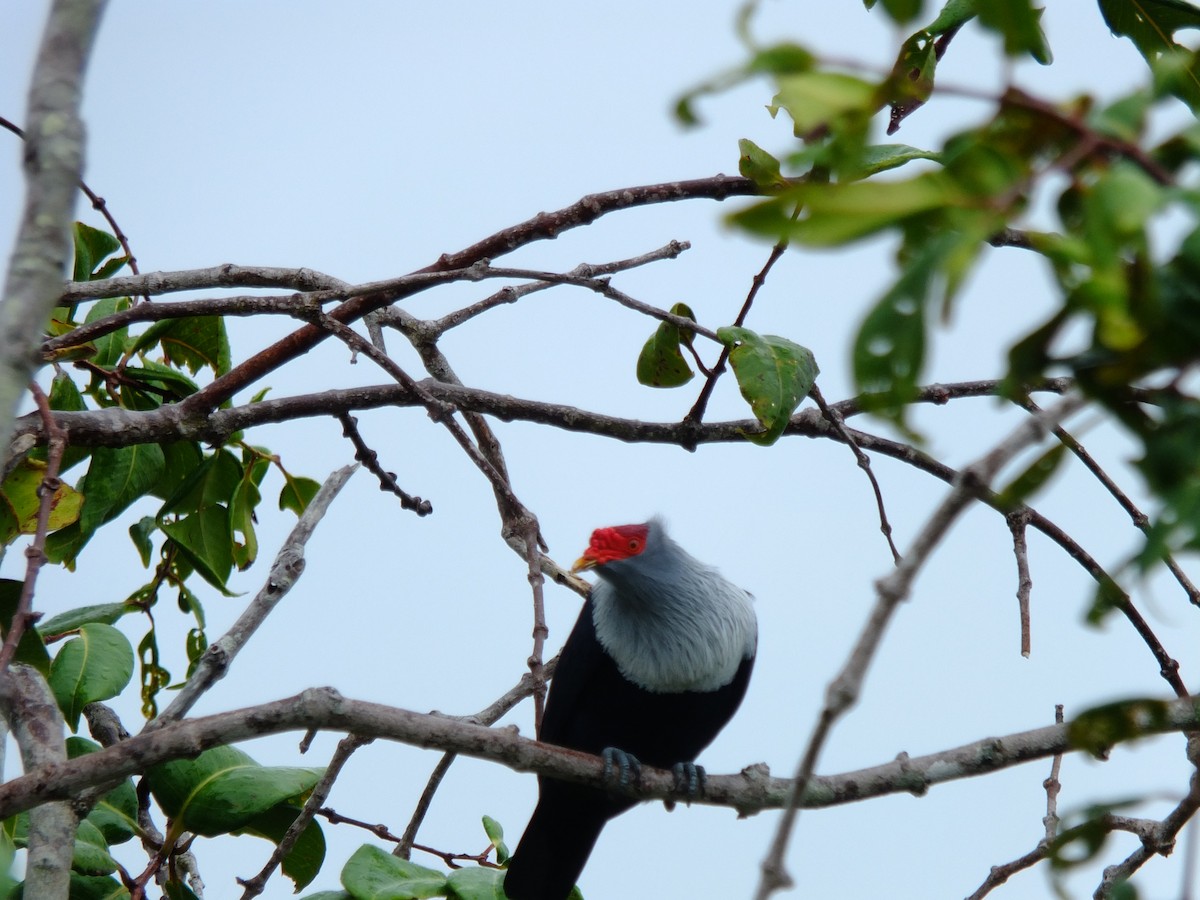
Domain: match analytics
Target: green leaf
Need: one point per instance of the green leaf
(182, 460)
(495, 834)
(91, 247)
(773, 374)
(72, 619)
(172, 381)
(1033, 479)
(21, 503)
(476, 883)
(759, 166)
(1125, 197)
(307, 855)
(1019, 24)
(782, 59)
(297, 493)
(31, 650)
(814, 99)
(954, 14)
(843, 212)
(329, 895)
(889, 349)
(110, 347)
(206, 540)
(114, 814)
(91, 856)
(96, 665)
(376, 874)
(241, 516)
(902, 11)
(192, 342)
(96, 887)
(661, 363)
(881, 157)
(139, 533)
(116, 478)
(1098, 729)
(64, 545)
(1150, 24)
(223, 789)
(214, 481)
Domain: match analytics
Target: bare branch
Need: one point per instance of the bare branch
(285, 570)
(370, 459)
(844, 690)
(1000, 874)
(345, 749)
(53, 163)
(37, 726)
(513, 293)
(864, 462)
(325, 709)
(35, 553)
(1139, 518)
(696, 413)
(1016, 524)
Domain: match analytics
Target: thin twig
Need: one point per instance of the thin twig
(1000, 874)
(98, 204)
(285, 570)
(696, 413)
(844, 690)
(35, 553)
(864, 462)
(369, 458)
(527, 686)
(1140, 520)
(345, 749)
(1016, 524)
(512, 293)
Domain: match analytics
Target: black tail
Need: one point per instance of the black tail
(558, 841)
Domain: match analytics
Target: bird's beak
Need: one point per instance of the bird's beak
(584, 563)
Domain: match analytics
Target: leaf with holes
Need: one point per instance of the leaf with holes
(20, 498)
(773, 374)
(96, 665)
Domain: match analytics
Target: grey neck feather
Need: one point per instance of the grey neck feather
(670, 622)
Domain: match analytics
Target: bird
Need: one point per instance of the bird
(655, 666)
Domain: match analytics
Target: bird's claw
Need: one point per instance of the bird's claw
(620, 768)
(690, 780)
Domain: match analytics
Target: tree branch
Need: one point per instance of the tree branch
(37, 726)
(285, 570)
(844, 690)
(750, 791)
(53, 164)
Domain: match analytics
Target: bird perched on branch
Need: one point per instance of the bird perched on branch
(656, 664)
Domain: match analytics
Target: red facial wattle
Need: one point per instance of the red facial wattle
(612, 544)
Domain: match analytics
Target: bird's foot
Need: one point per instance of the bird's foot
(621, 769)
(690, 780)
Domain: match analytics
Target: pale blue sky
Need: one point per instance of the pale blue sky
(366, 139)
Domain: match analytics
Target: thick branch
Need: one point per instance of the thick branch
(53, 164)
(324, 709)
(33, 717)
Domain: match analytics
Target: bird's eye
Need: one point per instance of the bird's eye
(634, 544)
